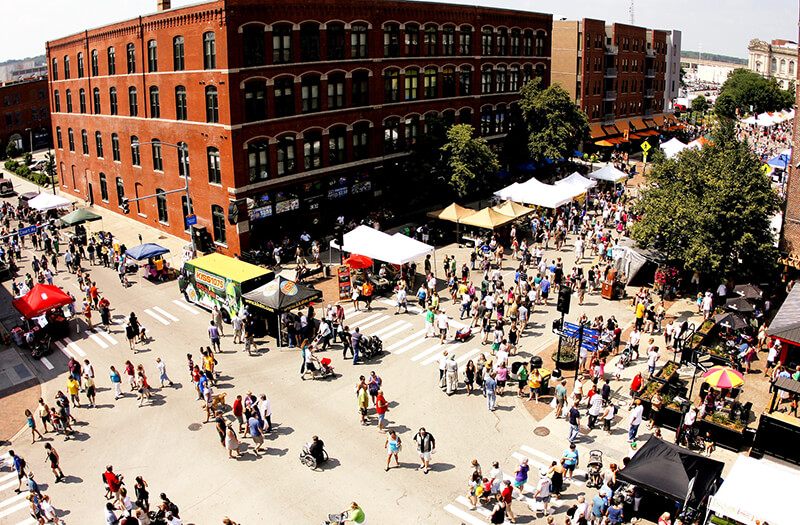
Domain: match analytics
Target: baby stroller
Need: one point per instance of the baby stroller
(594, 469)
(371, 346)
(325, 368)
(463, 334)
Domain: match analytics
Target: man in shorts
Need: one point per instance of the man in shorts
(381, 406)
(213, 334)
(425, 445)
(255, 429)
(19, 467)
(542, 494)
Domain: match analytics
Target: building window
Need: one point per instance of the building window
(181, 111)
(284, 97)
(358, 41)
(98, 142)
(54, 69)
(502, 42)
(430, 83)
(133, 102)
(152, 56)
(336, 91)
(527, 43)
(218, 222)
(500, 119)
(309, 94)
(431, 40)
(282, 44)
(85, 142)
(412, 84)
(115, 147)
(177, 53)
(309, 43)
(120, 191)
(412, 131)
(285, 156)
(486, 80)
(312, 151)
(449, 41)
(448, 82)
(112, 101)
(361, 141)
(59, 139)
(214, 172)
(212, 105)
(69, 101)
(486, 41)
(187, 207)
(360, 89)
(131, 54)
(500, 79)
(540, 39)
(80, 65)
(95, 66)
(66, 67)
(258, 161)
(335, 41)
(337, 152)
(391, 89)
(391, 40)
(71, 140)
(82, 100)
(183, 159)
(391, 135)
(57, 101)
(515, 41)
(155, 103)
(540, 73)
(465, 81)
(158, 161)
(161, 206)
(136, 159)
(791, 67)
(465, 41)
(96, 100)
(255, 101)
(412, 40)
(111, 57)
(783, 66)
(254, 46)
(487, 122)
(103, 187)
(513, 84)
(209, 50)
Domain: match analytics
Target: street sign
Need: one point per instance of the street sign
(646, 146)
(589, 338)
(191, 219)
(765, 169)
(27, 231)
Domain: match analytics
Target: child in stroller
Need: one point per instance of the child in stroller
(594, 469)
(463, 334)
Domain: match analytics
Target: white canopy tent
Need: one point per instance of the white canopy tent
(750, 120)
(672, 147)
(507, 193)
(765, 120)
(394, 249)
(750, 485)
(609, 173)
(695, 144)
(577, 181)
(48, 201)
(538, 193)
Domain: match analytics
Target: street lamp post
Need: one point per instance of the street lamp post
(183, 154)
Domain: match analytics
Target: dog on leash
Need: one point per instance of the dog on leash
(218, 401)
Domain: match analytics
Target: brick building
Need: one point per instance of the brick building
(26, 114)
(297, 112)
(790, 230)
(624, 77)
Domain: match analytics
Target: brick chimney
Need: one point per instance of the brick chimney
(163, 5)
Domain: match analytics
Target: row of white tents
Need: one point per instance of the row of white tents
(673, 146)
(536, 193)
(768, 119)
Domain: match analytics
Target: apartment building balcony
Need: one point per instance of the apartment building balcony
(650, 73)
(611, 72)
(609, 96)
(612, 49)
(649, 93)
(608, 119)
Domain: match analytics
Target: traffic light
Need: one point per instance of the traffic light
(126, 207)
(233, 213)
(556, 325)
(564, 295)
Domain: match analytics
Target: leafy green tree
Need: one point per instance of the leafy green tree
(27, 158)
(700, 104)
(710, 209)
(745, 89)
(469, 160)
(11, 150)
(50, 168)
(556, 125)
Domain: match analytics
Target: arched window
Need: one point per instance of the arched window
(57, 101)
(502, 42)
(254, 46)
(391, 89)
(181, 111)
(516, 38)
(336, 85)
(540, 43)
(98, 141)
(80, 65)
(161, 206)
(513, 84)
(103, 187)
(791, 67)
(361, 141)
(309, 42)
(71, 140)
(412, 131)
(85, 141)
(131, 54)
(54, 69)
(212, 105)
(152, 56)
(158, 160)
(66, 67)
(258, 160)
(358, 41)
(177, 53)
(96, 100)
(120, 191)
(391, 135)
(115, 147)
(486, 80)
(113, 107)
(487, 122)
(431, 40)
(334, 40)
(209, 50)
(430, 83)
(500, 79)
(95, 65)
(360, 93)
(310, 94)
(284, 97)
(337, 151)
(218, 222)
(255, 101)
(412, 84)
(448, 82)
(312, 150)
(183, 159)
(155, 103)
(449, 40)
(133, 103)
(111, 59)
(487, 44)
(465, 41)
(465, 81)
(391, 40)
(69, 100)
(783, 65)
(82, 100)
(282, 44)
(774, 65)
(285, 154)
(412, 40)
(59, 138)
(214, 172)
(136, 159)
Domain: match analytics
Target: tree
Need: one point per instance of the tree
(556, 125)
(469, 160)
(50, 168)
(11, 149)
(710, 209)
(746, 89)
(700, 104)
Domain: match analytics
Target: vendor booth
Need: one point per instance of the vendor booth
(778, 430)
(453, 213)
(609, 173)
(48, 201)
(156, 268)
(77, 219)
(275, 298)
(750, 484)
(672, 147)
(373, 243)
(41, 309)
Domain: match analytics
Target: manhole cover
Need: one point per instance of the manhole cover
(539, 431)
(194, 427)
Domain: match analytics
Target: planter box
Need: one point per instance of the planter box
(725, 437)
(670, 418)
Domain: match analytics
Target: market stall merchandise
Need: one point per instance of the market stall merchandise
(358, 262)
(672, 147)
(156, 267)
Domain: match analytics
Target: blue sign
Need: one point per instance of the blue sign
(191, 219)
(589, 339)
(27, 231)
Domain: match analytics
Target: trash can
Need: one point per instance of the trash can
(544, 387)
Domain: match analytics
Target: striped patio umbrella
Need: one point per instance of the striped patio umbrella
(723, 377)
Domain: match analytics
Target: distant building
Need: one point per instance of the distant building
(22, 69)
(707, 71)
(777, 59)
(25, 114)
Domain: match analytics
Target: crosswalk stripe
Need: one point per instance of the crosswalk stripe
(390, 327)
(63, 349)
(466, 356)
(74, 346)
(108, 337)
(373, 323)
(537, 464)
(13, 509)
(96, 338)
(535, 452)
(28, 521)
(480, 508)
(156, 316)
(183, 304)
(464, 515)
(47, 364)
(166, 314)
(427, 352)
(366, 319)
(387, 335)
(8, 485)
(409, 346)
(9, 501)
(8, 476)
(407, 339)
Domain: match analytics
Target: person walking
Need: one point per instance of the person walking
(635, 419)
(574, 417)
(162, 372)
(116, 380)
(51, 457)
(19, 467)
(265, 408)
(490, 391)
(255, 428)
(393, 445)
(131, 333)
(521, 476)
(32, 426)
(216, 316)
(381, 406)
(426, 444)
(231, 441)
(355, 342)
(571, 459)
(542, 494)
(214, 335)
(451, 373)
(43, 411)
(362, 395)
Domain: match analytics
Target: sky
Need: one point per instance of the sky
(713, 26)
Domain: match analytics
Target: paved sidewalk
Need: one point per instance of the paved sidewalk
(19, 389)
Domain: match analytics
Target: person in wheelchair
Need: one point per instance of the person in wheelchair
(317, 450)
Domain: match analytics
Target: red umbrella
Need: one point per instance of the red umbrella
(358, 261)
(41, 298)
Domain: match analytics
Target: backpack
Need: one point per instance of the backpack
(173, 509)
(21, 463)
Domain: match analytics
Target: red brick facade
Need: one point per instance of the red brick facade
(314, 99)
(25, 114)
(790, 233)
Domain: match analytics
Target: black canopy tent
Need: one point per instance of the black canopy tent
(279, 296)
(667, 470)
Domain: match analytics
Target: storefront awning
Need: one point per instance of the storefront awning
(786, 324)
(648, 133)
(617, 140)
(659, 120)
(638, 124)
(596, 131)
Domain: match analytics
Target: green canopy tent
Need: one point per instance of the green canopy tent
(80, 216)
